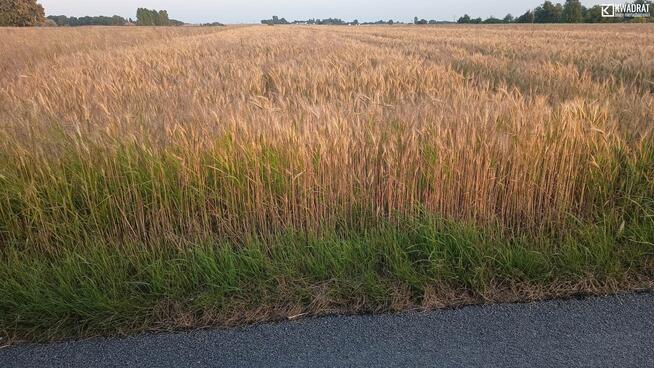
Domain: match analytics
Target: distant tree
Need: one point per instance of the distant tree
(147, 17)
(492, 20)
(464, 19)
(548, 13)
(379, 22)
(275, 20)
(331, 22)
(572, 12)
(62, 20)
(162, 18)
(143, 17)
(527, 17)
(558, 13)
(118, 21)
(21, 13)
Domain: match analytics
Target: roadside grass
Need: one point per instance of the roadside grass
(101, 288)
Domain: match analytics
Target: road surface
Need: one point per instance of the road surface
(616, 331)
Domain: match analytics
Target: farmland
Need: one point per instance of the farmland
(158, 178)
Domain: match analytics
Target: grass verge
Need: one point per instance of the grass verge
(104, 288)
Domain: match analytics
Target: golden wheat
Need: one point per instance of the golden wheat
(135, 132)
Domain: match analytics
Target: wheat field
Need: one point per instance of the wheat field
(188, 176)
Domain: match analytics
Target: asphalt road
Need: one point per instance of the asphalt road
(616, 331)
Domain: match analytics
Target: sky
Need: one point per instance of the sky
(252, 11)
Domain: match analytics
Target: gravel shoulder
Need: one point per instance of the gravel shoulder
(591, 332)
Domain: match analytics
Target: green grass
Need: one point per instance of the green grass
(106, 288)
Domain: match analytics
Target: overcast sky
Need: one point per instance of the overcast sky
(252, 11)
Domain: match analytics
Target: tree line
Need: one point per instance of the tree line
(25, 13)
(431, 21)
(144, 17)
(327, 21)
(30, 13)
(569, 12)
(62, 20)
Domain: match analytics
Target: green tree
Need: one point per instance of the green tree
(118, 21)
(147, 17)
(572, 11)
(143, 17)
(527, 17)
(548, 13)
(492, 20)
(162, 18)
(61, 20)
(464, 19)
(21, 13)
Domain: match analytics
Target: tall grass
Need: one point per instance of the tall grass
(268, 169)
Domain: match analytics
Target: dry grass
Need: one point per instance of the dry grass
(168, 137)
